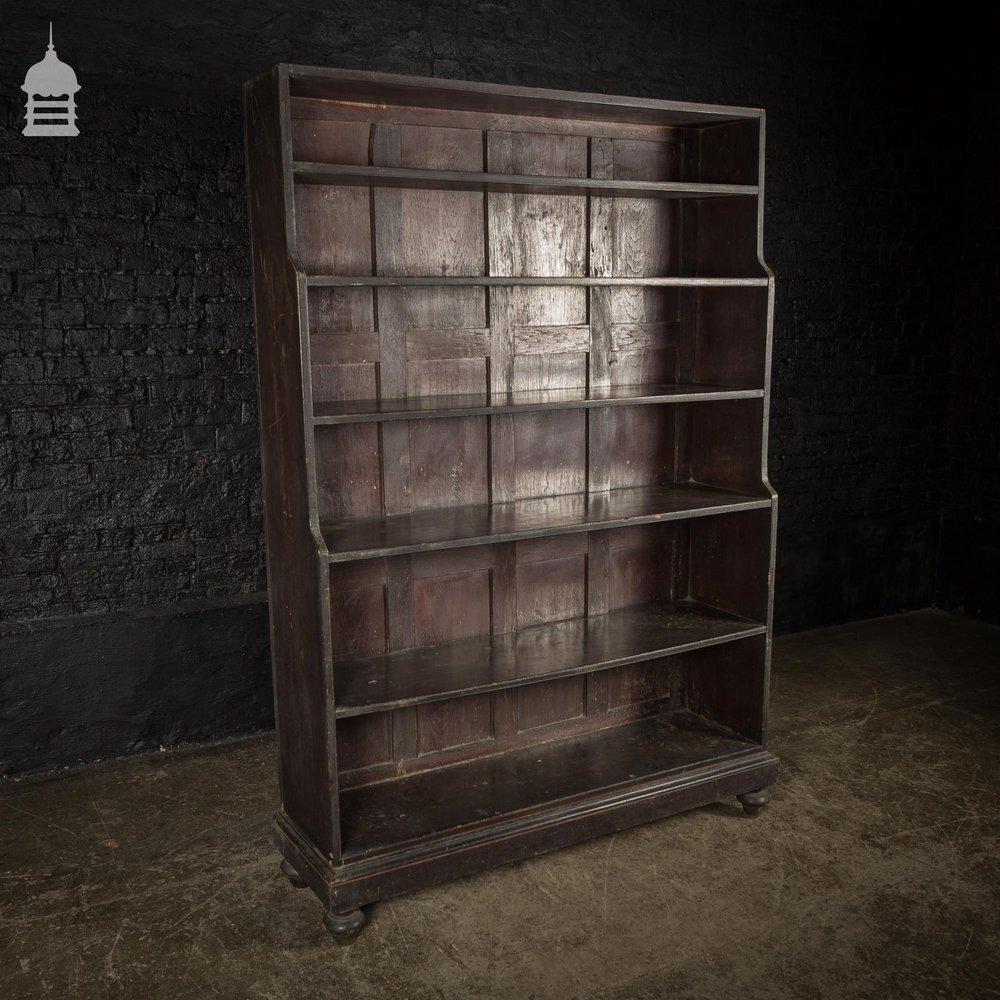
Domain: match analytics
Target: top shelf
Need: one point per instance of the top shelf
(465, 180)
(361, 87)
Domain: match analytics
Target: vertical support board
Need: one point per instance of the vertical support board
(500, 315)
(598, 603)
(601, 264)
(503, 614)
(400, 635)
(390, 316)
(298, 601)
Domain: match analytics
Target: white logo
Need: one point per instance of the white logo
(51, 86)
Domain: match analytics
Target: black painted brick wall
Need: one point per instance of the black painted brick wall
(130, 460)
(968, 577)
(128, 463)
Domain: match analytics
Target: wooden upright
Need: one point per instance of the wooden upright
(513, 352)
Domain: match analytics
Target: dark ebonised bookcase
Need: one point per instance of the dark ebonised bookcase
(513, 352)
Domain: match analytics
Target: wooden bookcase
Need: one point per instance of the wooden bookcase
(513, 353)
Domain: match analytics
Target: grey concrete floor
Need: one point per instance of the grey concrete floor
(875, 871)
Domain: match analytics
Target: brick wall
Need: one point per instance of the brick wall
(128, 461)
(969, 554)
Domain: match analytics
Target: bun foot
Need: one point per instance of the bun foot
(344, 927)
(753, 802)
(292, 875)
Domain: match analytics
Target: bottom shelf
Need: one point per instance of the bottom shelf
(386, 815)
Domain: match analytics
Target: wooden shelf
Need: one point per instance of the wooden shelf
(483, 524)
(466, 180)
(365, 92)
(424, 407)
(494, 281)
(540, 653)
(388, 815)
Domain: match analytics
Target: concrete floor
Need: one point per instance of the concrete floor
(875, 871)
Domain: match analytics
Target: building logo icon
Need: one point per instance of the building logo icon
(50, 86)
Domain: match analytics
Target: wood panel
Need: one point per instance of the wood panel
(725, 237)
(448, 463)
(449, 724)
(364, 741)
(443, 233)
(324, 209)
(649, 681)
(726, 349)
(549, 453)
(551, 582)
(452, 601)
(549, 703)
(642, 570)
(452, 607)
(725, 446)
(438, 339)
(729, 685)
(645, 160)
(537, 235)
(343, 344)
(598, 607)
(330, 141)
(641, 446)
(449, 608)
(729, 563)
(332, 208)
(349, 479)
(358, 620)
(724, 154)
(641, 241)
(449, 562)
(344, 381)
(388, 253)
(550, 590)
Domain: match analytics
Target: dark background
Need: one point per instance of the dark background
(131, 557)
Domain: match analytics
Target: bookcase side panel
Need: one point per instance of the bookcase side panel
(298, 609)
(768, 343)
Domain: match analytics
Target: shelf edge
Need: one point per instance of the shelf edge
(353, 555)
(373, 416)
(752, 629)
(493, 281)
(309, 172)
